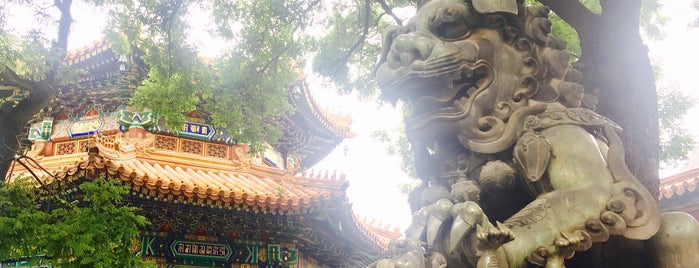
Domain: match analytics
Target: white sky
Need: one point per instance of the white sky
(375, 177)
(676, 55)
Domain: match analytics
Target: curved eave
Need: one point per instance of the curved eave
(314, 116)
(679, 184)
(86, 53)
(380, 235)
(258, 189)
(312, 132)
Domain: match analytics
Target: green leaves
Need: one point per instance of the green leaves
(675, 141)
(346, 54)
(93, 231)
(25, 56)
(243, 91)
(652, 22)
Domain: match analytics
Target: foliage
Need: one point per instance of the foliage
(675, 142)
(268, 41)
(94, 230)
(244, 91)
(347, 52)
(651, 23)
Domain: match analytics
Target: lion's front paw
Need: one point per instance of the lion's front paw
(491, 238)
(564, 247)
(577, 240)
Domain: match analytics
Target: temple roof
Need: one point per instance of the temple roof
(684, 181)
(679, 184)
(317, 117)
(380, 233)
(312, 132)
(108, 81)
(82, 137)
(86, 53)
(176, 171)
(224, 183)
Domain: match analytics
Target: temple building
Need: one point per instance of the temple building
(678, 192)
(209, 201)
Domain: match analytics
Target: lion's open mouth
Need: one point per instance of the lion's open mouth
(445, 62)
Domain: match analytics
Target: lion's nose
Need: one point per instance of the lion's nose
(408, 48)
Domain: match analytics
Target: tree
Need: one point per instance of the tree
(269, 40)
(615, 64)
(28, 66)
(91, 227)
(243, 91)
(675, 142)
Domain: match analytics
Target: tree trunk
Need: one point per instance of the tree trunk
(615, 62)
(8, 142)
(616, 65)
(14, 119)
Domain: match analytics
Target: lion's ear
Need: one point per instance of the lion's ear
(492, 6)
(389, 34)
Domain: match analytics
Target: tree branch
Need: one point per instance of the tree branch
(389, 11)
(573, 12)
(310, 6)
(64, 23)
(360, 42)
(9, 78)
(40, 94)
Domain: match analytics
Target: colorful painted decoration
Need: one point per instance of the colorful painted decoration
(195, 249)
(41, 131)
(197, 130)
(144, 120)
(219, 253)
(85, 127)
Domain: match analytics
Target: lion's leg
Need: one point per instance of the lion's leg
(581, 183)
(677, 242)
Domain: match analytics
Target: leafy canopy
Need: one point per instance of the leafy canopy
(268, 42)
(93, 228)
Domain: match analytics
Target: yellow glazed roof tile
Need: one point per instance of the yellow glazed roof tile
(679, 184)
(257, 187)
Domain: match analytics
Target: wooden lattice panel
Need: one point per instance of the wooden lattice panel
(83, 146)
(66, 148)
(217, 150)
(192, 147)
(166, 143)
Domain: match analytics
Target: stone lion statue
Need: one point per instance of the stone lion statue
(517, 167)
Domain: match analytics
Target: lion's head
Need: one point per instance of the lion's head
(473, 67)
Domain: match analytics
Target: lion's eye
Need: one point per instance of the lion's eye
(449, 22)
(449, 30)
